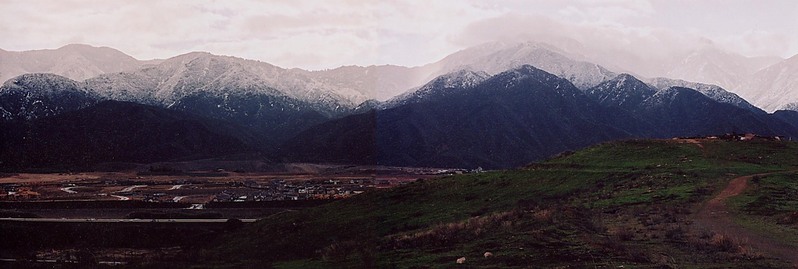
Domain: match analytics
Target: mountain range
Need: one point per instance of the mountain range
(117, 132)
(495, 105)
(75, 61)
(464, 119)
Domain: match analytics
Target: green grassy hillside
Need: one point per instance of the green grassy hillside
(616, 204)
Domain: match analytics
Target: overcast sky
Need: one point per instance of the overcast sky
(329, 33)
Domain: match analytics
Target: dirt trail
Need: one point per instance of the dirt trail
(695, 141)
(715, 216)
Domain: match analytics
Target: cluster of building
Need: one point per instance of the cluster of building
(283, 190)
(202, 190)
(740, 137)
(15, 192)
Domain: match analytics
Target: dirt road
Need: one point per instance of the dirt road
(715, 216)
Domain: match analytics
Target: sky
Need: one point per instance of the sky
(320, 34)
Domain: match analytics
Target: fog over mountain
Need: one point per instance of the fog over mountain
(764, 81)
(774, 87)
(534, 97)
(467, 119)
(75, 61)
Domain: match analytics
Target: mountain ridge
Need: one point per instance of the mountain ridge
(357, 84)
(520, 116)
(75, 61)
(113, 131)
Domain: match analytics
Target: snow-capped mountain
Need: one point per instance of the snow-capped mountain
(679, 111)
(714, 92)
(624, 91)
(165, 81)
(439, 87)
(200, 72)
(378, 82)
(506, 120)
(676, 110)
(714, 66)
(494, 58)
(76, 61)
(273, 102)
(33, 96)
(774, 87)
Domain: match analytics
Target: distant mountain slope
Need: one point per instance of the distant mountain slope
(509, 119)
(463, 118)
(681, 111)
(200, 72)
(788, 116)
(712, 91)
(33, 96)
(76, 61)
(774, 87)
(275, 103)
(274, 118)
(440, 88)
(519, 116)
(494, 58)
(624, 91)
(379, 82)
(715, 66)
(117, 132)
(350, 140)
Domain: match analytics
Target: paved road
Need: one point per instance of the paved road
(131, 188)
(60, 261)
(123, 220)
(69, 190)
(121, 198)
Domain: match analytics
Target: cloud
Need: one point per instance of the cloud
(325, 34)
(755, 42)
(611, 43)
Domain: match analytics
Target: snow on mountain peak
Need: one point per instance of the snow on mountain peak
(714, 92)
(195, 72)
(624, 91)
(497, 57)
(774, 87)
(461, 79)
(35, 95)
(75, 61)
(439, 87)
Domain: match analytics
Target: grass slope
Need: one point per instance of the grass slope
(622, 203)
(770, 207)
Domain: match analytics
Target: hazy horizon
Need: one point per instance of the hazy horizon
(321, 35)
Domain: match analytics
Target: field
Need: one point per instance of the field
(95, 216)
(631, 204)
(682, 203)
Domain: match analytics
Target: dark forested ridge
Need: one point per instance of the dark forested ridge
(114, 131)
(520, 116)
(462, 119)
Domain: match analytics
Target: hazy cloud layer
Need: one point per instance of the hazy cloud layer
(326, 34)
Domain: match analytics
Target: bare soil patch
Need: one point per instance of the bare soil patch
(715, 216)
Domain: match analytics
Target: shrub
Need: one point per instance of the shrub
(450, 233)
(723, 243)
(675, 233)
(625, 234)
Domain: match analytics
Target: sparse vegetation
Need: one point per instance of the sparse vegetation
(770, 206)
(623, 203)
(627, 204)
